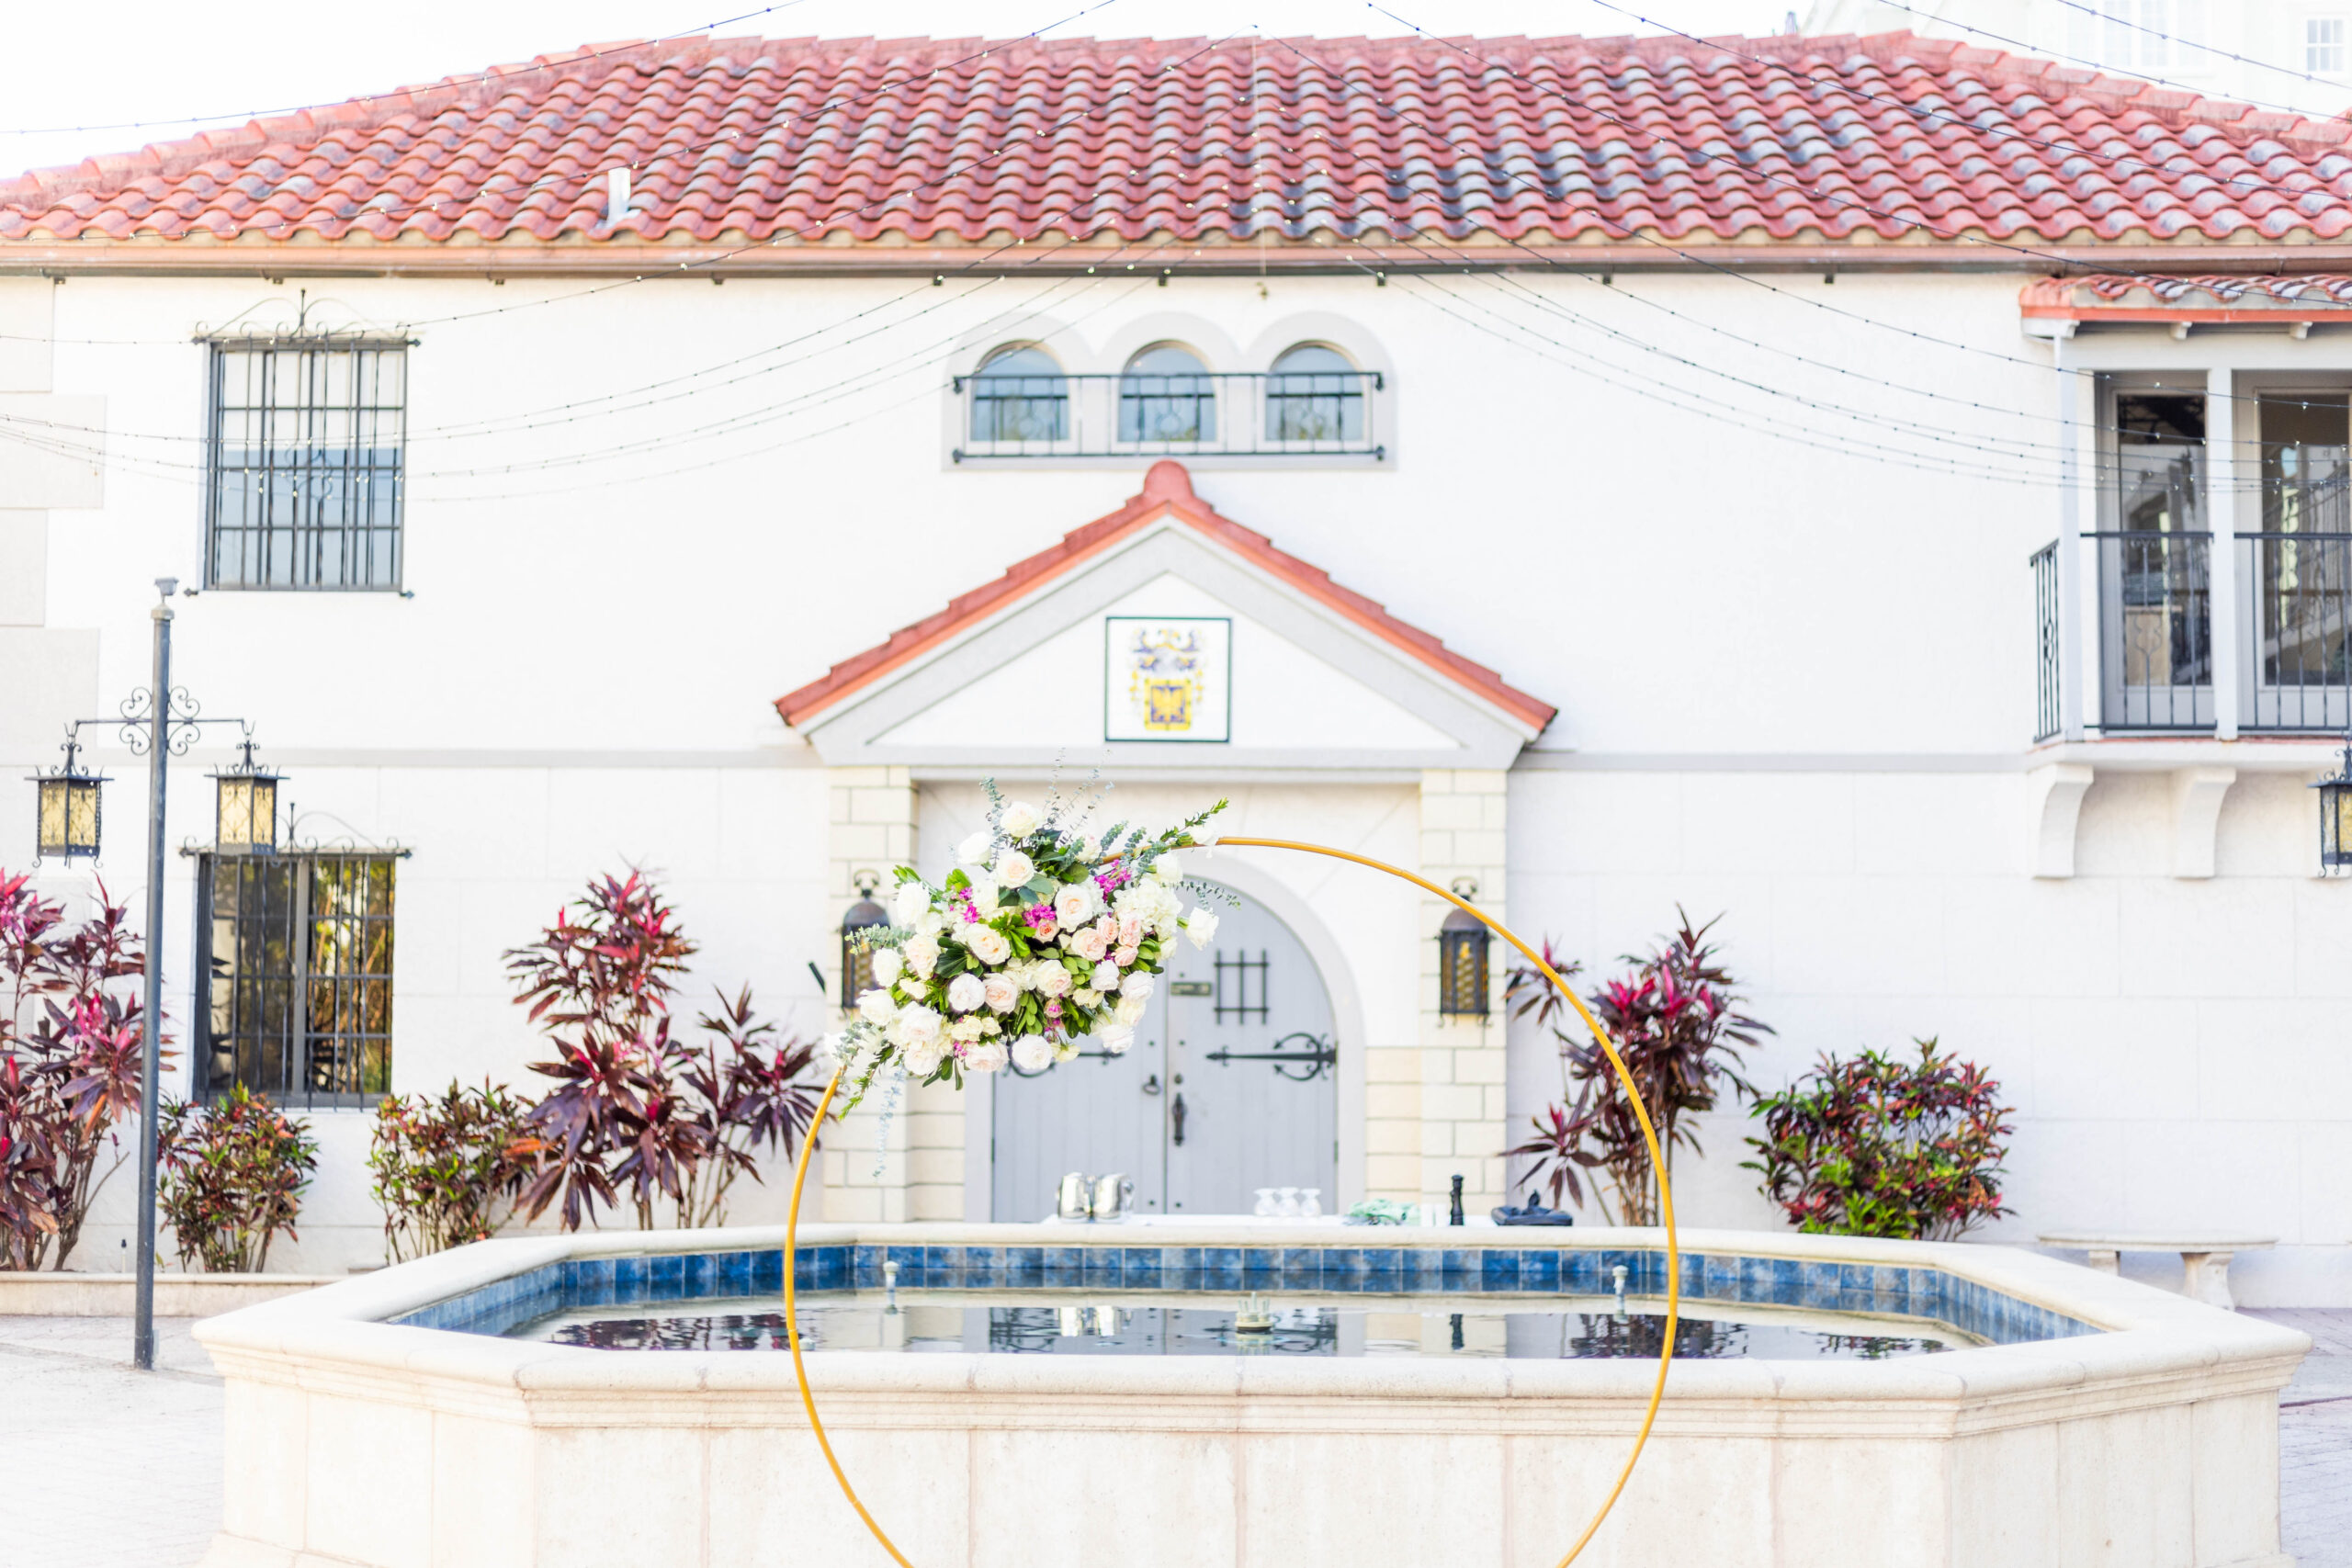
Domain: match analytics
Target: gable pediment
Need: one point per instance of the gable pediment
(1171, 641)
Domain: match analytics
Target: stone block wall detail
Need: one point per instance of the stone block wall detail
(1441, 1113)
(911, 1169)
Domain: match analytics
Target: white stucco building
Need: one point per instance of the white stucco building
(1628, 481)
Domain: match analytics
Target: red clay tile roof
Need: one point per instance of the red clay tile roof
(1167, 492)
(2111, 297)
(951, 142)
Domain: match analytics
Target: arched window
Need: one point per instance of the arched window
(1020, 395)
(1314, 394)
(1166, 394)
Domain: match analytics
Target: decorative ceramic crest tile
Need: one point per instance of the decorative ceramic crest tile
(1168, 678)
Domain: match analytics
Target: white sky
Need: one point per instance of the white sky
(149, 61)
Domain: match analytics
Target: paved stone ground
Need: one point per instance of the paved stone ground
(2315, 1442)
(113, 1468)
(128, 1465)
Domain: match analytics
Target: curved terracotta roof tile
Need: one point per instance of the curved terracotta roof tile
(953, 141)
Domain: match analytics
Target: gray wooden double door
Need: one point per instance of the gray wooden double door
(1230, 1086)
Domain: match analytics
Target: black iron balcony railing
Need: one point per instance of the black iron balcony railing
(2048, 713)
(2295, 610)
(1232, 414)
(2156, 630)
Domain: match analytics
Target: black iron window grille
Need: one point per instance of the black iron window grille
(1265, 416)
(1167, 397)
(2049, 715)
(2297, 573)
(1020, 396)
(1241, 989)
(2302, 628)
(1314, 396)
(2156, 610)
(296, 951)
(305, 444)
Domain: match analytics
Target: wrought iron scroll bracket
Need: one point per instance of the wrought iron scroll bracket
(1317, 1061)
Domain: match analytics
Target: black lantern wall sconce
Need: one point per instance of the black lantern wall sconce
(2335, 817)
(1462, 958)
(66, 808)
(245, 807)
(857, 958)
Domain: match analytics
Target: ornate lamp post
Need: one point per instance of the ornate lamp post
(2336, 816)
(158, 723)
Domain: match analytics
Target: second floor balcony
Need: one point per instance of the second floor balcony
(2199, 632)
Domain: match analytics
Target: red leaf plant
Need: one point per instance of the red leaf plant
(1675, 1021)
(638, 1114)
(69, 1066)
(1876, 1145)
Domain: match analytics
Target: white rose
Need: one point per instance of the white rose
(1076, 903)
(922, 1058)
(920, 953)
(1087, 943)
(1139, 986)
(1018, 819)
(1053, 980)
(966, 993)
(987, 943)
(1201, 927)
(1115, 1038)
(1031, 1052)
(916, 1025)
(1167, 870)
(985, 894)
(974, 851)
(909, 902)
(1088, 999)
(1130, 1010)
(1003, 992)
(876, 1006)
(1106, 977)
(1015, 869)
(931, 922)
(987, 1056)
(1125, 957)
(887, 965)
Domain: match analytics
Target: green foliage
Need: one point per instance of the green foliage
(446, 1169)
(229, 1176)
(1877, 1146)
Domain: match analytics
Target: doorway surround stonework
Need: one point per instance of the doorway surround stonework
(1346, 726)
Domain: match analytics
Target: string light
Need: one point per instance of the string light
(1961, 236)
(1904, 105)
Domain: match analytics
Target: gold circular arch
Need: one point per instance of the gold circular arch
(1625, 1078)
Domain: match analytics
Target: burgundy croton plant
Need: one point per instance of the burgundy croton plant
(640, 1115)
(70, 1031)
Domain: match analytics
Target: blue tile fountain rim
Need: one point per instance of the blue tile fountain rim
(1532, 1272)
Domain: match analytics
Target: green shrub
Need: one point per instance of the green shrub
(1877, 1146)
(229, 1176)
(446, 1169)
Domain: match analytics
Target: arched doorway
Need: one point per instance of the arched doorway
(1232, 1086)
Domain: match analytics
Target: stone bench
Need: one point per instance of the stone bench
(2204, 1261)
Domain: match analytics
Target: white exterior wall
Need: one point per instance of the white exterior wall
(1795, 685)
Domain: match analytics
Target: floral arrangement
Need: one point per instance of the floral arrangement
(1045, 932)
